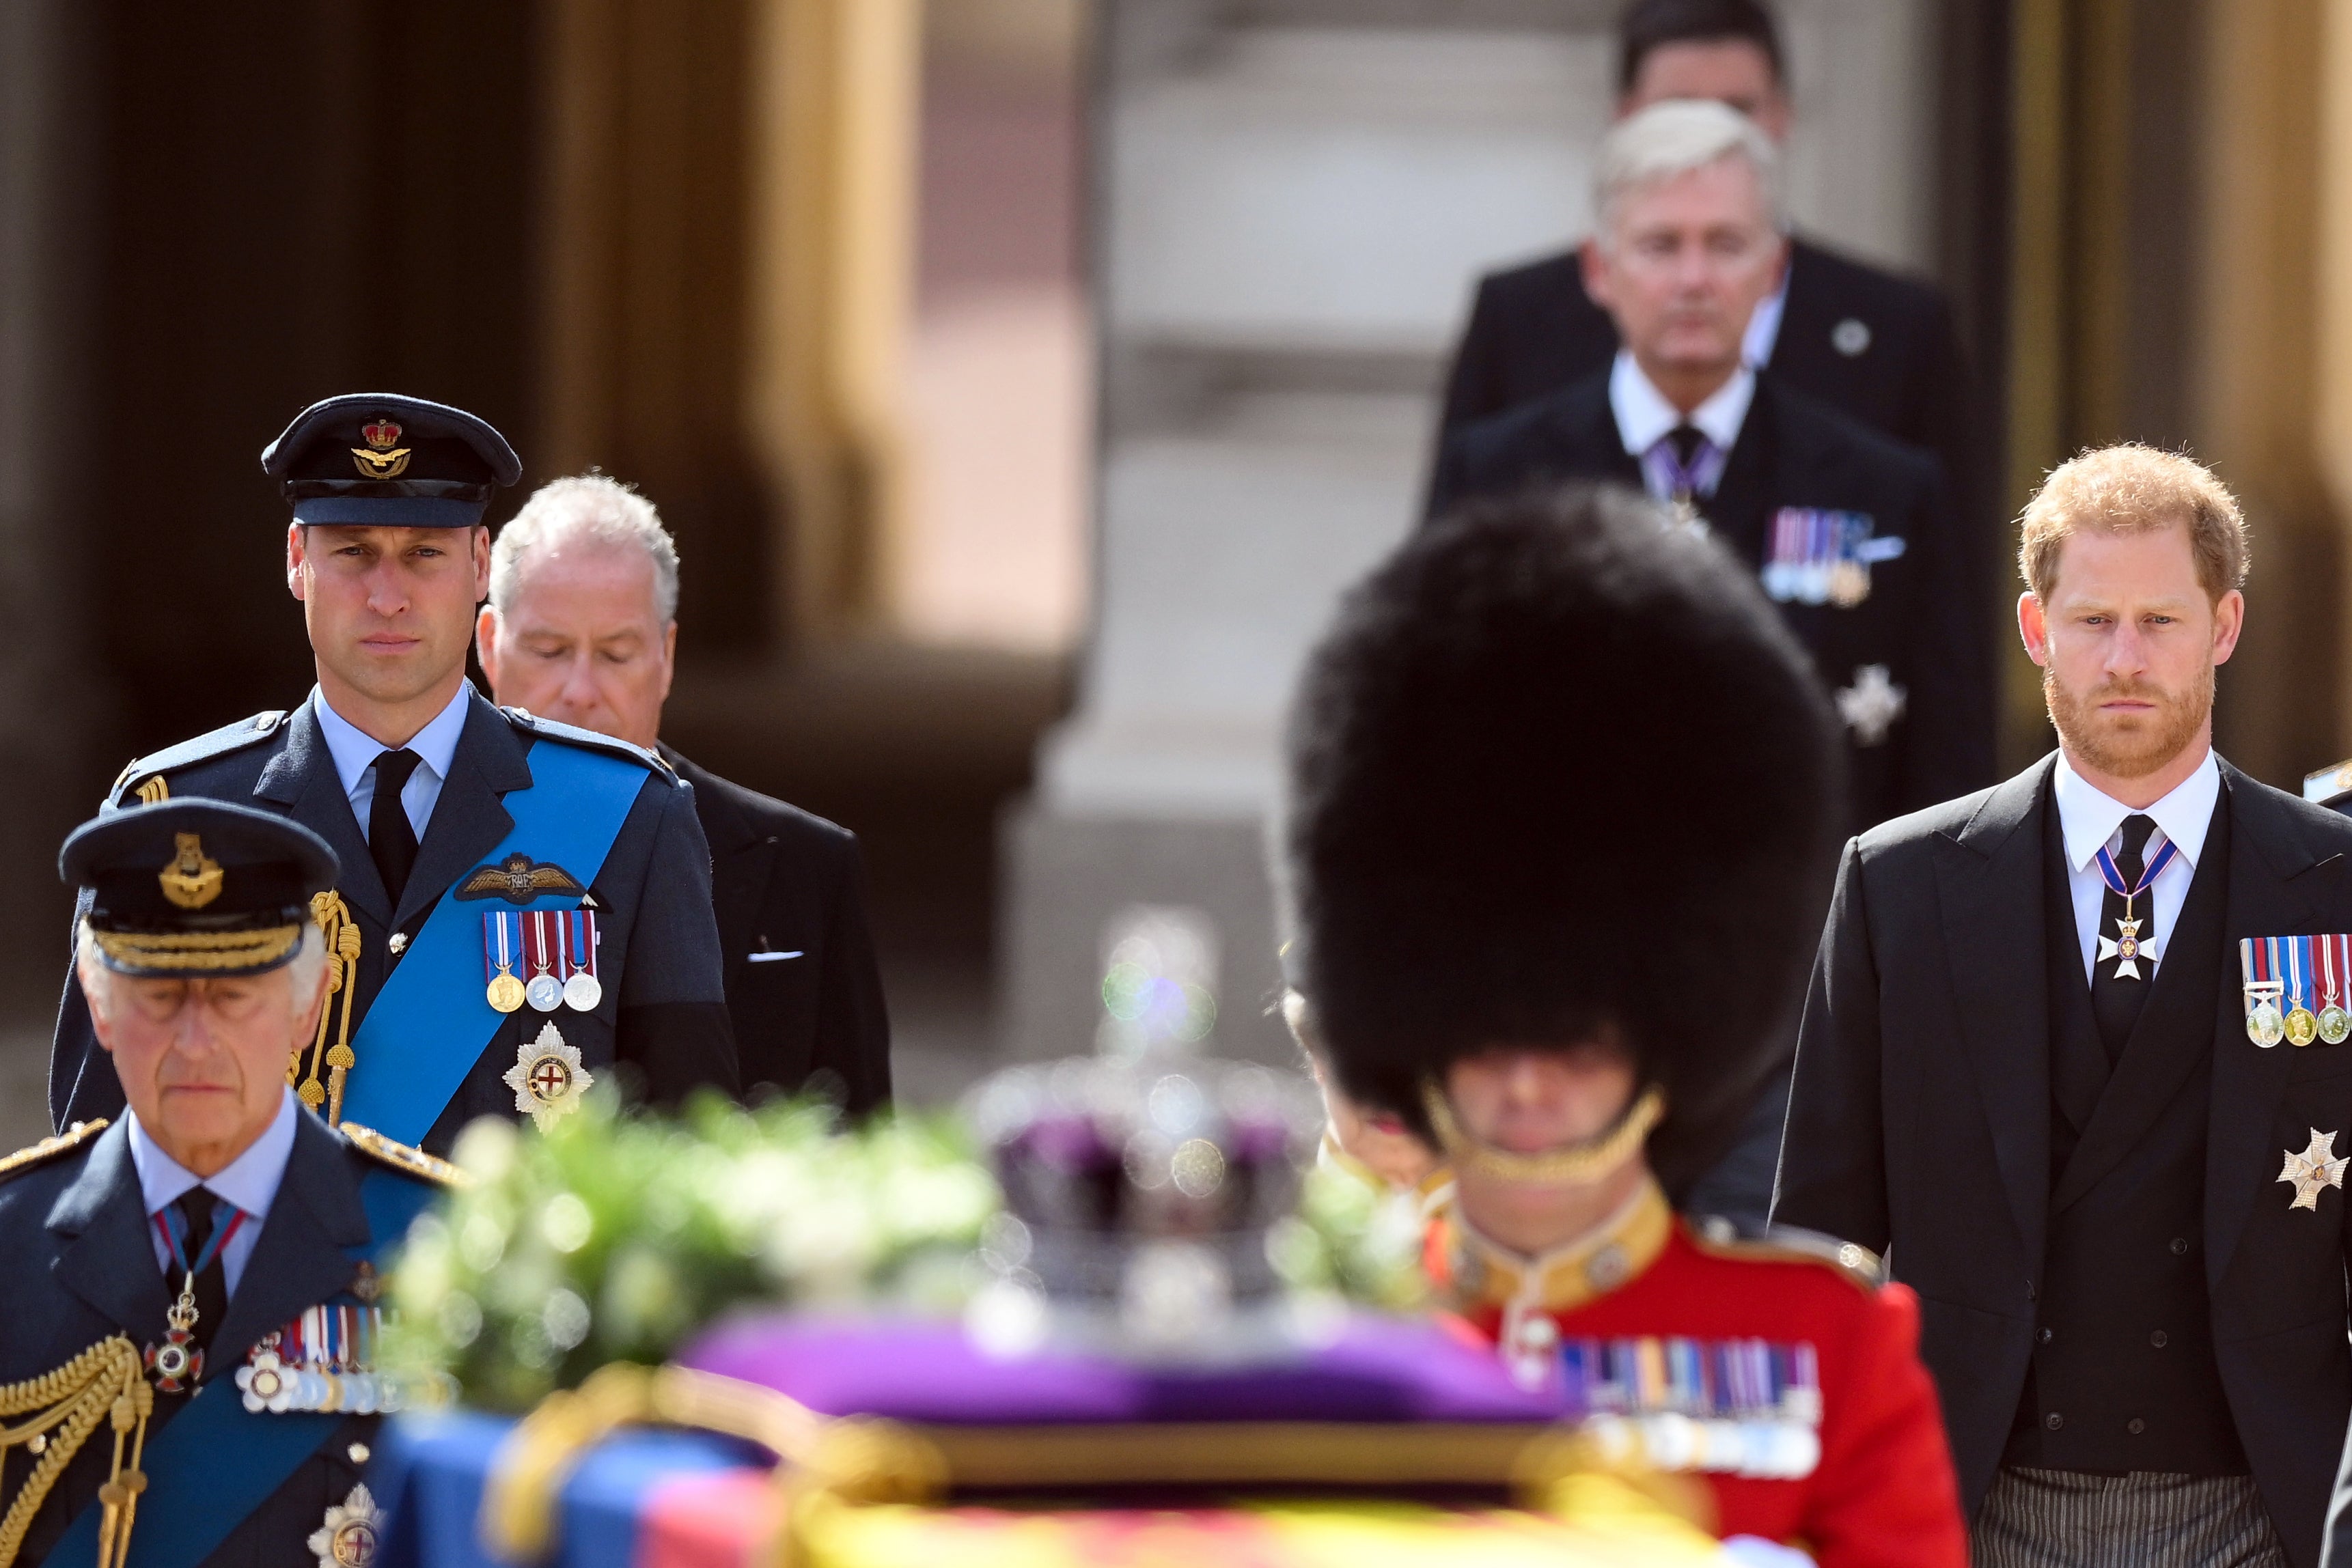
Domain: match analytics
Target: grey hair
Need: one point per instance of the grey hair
(1674, 138)
(306, 967)
(589, 506)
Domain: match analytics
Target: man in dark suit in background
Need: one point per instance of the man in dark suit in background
(2045, 1064)
(1851, 530)
(582, 626)
(1876, 347)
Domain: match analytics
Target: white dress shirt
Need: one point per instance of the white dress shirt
(2090, 821)
(250, 1181)
(1764, 327)
(1645, 417)
(355, 751)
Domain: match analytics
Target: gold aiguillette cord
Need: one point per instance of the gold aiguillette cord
(333, 918)
(105, 1383)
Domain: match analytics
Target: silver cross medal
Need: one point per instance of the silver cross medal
(2315, 1168)
(2124, 948)
(1871, 705)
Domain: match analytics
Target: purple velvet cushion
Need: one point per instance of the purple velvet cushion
(1378, 1370)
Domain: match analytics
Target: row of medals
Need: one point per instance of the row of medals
(2266, 1026)
(581, 993)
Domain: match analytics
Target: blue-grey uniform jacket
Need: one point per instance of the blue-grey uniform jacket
(664, 1009)
(82, 1269)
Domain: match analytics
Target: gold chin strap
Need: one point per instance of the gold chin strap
(104, 1383)
(1571, 1164)
(333, 918)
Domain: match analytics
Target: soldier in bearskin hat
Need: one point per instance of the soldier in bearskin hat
(1563, 792)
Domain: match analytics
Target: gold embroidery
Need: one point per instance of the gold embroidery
(192, 878)
(153, 790)
(196, 952)
(333, 918)
(49, 1148)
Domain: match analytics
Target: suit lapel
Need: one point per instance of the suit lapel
(1989, 887)
(2269, 857)
(741, 860)
(301, 779)
(2173, 1032)
(1736, 510)
(467, 821)
(300, 1260)
(109, 1261)
(1587, 424)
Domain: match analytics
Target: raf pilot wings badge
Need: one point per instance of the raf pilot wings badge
(518, 879)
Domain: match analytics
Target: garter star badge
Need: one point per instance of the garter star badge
(2312, 1169)
(547, 1078)
(348, 1539)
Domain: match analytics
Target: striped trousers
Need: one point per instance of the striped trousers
(2068, 1519)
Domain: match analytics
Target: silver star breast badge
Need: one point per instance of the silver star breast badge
(2312, 1169)
(1871, 705)
(349, 1537)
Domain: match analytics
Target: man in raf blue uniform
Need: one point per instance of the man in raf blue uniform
(188, 1322)
(524, 907)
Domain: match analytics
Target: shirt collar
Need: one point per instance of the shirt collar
(1644, 416)
(1764, 326)
(250, 1181)
(2088, 817)
(355, 751)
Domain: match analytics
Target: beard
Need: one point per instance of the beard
(2128, 746)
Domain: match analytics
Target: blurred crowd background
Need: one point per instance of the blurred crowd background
(1023, 378)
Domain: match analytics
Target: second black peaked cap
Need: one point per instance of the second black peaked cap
(379, 459)
(196, 886)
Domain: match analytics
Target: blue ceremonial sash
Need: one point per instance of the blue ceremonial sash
(215, 1461)
(207, 1471)
(431, 1022)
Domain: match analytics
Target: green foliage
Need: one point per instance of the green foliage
(616, 1236)
(1353, 1240)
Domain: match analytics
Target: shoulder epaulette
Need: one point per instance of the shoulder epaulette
(49, 1148)
(202, 748)
(401, 1157)
(522, 718)
(2329, 785)
(1787, 1243)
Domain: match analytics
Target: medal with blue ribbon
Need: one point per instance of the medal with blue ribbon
(178, 1364)
(501, 948)
(2258, 960)
(2126, 947)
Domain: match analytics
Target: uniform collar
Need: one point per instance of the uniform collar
(2088, 818)
(1644, 416)
(355, 751)
(1611, 1255)
(250, 1181)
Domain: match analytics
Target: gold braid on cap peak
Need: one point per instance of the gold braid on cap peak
(196, 952)
(1570, 1165)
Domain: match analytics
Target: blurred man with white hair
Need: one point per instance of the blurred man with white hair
(1876, 347)
(581, 627)
(1850, 531)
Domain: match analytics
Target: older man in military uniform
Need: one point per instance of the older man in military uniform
(524, 907)
(188, 1322)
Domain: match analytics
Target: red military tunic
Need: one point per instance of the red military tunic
(1882, 1493)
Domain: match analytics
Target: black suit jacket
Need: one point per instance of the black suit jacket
(787, 882)
(81, 1267)
(1533, 329)
(1794, 451)
(1920, 1122)
(664, 1005)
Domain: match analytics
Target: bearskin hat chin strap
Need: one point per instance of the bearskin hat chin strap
(1580, 1163)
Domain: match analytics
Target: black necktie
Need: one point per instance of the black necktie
(197, 1209)
(391, 839)
(2116, 1002)
(1687, 440)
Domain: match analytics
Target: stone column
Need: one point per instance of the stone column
(1291, 211)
